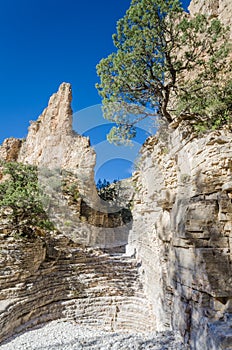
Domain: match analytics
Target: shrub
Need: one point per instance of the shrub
(20, 192)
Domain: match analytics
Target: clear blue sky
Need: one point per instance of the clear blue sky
(46, 42)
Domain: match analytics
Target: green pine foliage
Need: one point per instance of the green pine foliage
(21, 195)
(164, 55)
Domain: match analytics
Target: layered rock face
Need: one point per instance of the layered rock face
(180, 242)
(51, 141)
(53, 146)
(182, 233)
(182, 225)
(68, 273)
(51, 278)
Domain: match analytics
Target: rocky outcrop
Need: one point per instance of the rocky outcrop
(9, 150)
(182, 234)
(68, 275)
(53, 146)
(180, 242)
(51, 141)
(50, 278)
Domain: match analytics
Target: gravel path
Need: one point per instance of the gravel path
(60, 335)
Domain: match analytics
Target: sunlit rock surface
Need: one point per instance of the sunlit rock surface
(182, 230)
(177, 270)
(68, 273)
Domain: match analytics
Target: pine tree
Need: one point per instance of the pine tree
(159, 49)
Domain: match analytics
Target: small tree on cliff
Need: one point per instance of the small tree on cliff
(161, 54)
(20, 193)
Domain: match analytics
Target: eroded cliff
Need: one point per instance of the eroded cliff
(177, 272)
(182, 225)
(68, 273)
(53, 146)
(182, 234)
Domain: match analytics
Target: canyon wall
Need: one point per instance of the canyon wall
(177, 273)
(55, 278)
(182, 233)
(53, 146)
(182, 225)
(77, 272)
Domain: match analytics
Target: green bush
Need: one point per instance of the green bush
(212, 110)
(20, 192)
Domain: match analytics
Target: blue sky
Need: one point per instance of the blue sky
(46, 42)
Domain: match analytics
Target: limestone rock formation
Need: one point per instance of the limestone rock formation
(177, 273)
(9, 150)
(46, 279)
(53, 146)
(60, 275)
(51, 141)
(182, 227)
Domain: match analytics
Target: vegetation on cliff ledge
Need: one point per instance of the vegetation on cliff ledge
(167, 61)
(22, 201)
